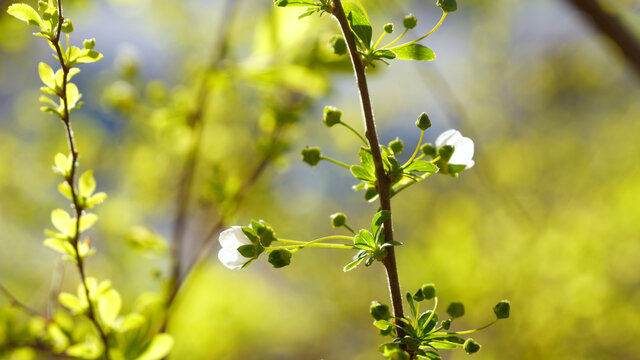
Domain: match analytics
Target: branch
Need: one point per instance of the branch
(611, 26)
(13, 301)
(384, 184)
(70, 179)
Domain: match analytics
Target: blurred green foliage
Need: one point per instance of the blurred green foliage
(548, 217)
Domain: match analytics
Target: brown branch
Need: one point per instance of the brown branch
(611, 26)
(383, 182)
(70, 179)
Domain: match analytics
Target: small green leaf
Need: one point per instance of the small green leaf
(87, 221)
(129, 322)
(412, 306)
(361, 173)
(248, 251)
(385, 54)
(159, 347)
(72, 302)
(86, 184)
(364, 239)
(109, 305)
(46, 75)
(63, 222)
(421, 166)
(25, 13)
(414, 52)
(359, 22)
(73, 95)
(96, 199)
(293, 3)
(382, 324)
(352, 265)
(379, 219)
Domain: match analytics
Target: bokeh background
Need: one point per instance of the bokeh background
(549, 217)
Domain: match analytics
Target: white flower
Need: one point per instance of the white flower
(463, 147)
(230, 240)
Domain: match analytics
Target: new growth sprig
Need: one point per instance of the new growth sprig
(382, 176)
(114, 336)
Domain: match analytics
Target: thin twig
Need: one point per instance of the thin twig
(18, 304)
(383, 182)
(70, 179)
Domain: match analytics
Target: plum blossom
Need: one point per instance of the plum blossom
(463, 147)
(230, 240)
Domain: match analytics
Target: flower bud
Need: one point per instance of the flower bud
(89, 44)
(428, 291)
(338, 220)
(280, 258)
(471, 346)
(311, 155)
(423, 122)
(397, 146)
(67, 26)
(446, 324)
(410, 21)
(332, 116)
(447, 5)
(456, 309)
(379, 311)
(428, 150)
(338, 45)
(502, 309)
(388, 28)
(445, 152)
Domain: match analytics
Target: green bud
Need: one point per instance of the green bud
(397, 146)
(338, 220)
(280, 258)
(502, 309)
(456, 309)
(428, 291)
(445, 152)
(410, 21)
(67, 26)
(338, 45)
(89, 44)
(423, 122)
(447, 5)
(379, 311)
(267, 236)
(332, 116)
(446, 324)
(428, 150)
(471, 346)
(311, 155)
(388, 28)
(42, 6)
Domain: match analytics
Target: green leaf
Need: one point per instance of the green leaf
(365, 240)
(129, 322)
(414, 52)
(352, 265)
(361, 173)
(382, 324)
(412, 306)
(160, 347)
(46, 75)
(293, 3)
(359, 22)
(62, 164)
(26, 13)
(63, 222)
(379, 219)
(248, 251)
(421, 166)
(385, 54)
(87, 221)
(73, 95)
(87, 184)
(85, 350)
(96, 199)
(109, 305)
(60, 245)
(73, 303)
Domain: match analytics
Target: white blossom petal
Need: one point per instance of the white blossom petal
(233, 238)
(449, 137)
(463, 153)
(231, 258)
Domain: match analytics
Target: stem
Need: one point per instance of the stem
(310, 245)
(354, 131)
(384, 185)
(472, 331)
(350, 229)
(380, 39)
(444, 15)
(413, 156)
(396, 39)
(314, 241)
(70, 179)
(13, 301)
(337, 162)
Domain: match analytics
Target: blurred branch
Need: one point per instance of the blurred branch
(611, 26)
(13, 301)
(195, 121)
